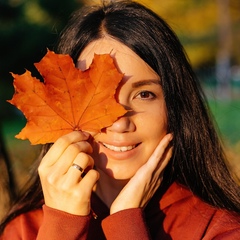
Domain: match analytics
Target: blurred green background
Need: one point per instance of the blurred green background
(209, 31)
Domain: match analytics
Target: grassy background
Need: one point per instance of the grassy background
(227, 117)
(21, 153)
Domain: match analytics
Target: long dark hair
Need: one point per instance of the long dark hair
(198, 160)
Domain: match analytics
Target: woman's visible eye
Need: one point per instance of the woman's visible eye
(146, 95)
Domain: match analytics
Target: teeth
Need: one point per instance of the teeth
(119, 149)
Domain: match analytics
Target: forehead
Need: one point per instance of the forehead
(104, 45)
(127, 61)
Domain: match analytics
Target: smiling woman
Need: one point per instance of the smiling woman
(141, 129)
(156, 172)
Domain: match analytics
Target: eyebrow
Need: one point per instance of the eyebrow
(145, 82)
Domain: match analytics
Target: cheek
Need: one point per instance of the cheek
(153, 124)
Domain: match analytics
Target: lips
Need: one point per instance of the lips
(119, 149)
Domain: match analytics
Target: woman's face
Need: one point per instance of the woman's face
(121, 149)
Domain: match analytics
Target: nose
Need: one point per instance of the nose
(122, 125)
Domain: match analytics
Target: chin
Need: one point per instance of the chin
(117, 175)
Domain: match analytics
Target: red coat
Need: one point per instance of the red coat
(178, 215)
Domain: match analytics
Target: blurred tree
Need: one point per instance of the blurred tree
(223, 57)
(59, 8)
(196, 24)
(27, 28)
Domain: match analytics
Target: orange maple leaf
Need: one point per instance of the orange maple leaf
(69, 99)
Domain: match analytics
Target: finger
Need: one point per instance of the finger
(83, 162)
(84, 190)
(166, 158)
(158, 153)
(88, 182)
(61, 145)
(67, 158)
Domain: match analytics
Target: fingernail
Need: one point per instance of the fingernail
(170, 136)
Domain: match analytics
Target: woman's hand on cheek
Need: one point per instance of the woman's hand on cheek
(64, 187)
(142, 186)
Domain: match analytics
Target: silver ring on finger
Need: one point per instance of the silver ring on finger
(78, 167)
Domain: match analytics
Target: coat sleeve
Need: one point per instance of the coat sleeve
(47, 224)
(126, 224)
(61, 225)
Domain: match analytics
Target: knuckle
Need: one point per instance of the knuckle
(65, 187)
(71, 137)
(63, 141)
(51, 179)
(84, 157)
(94, 174)
(41, 171)
(91, 161)
(85, 146)
(74, 147)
